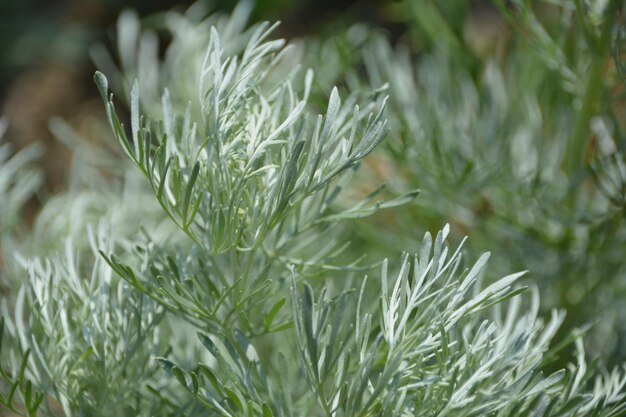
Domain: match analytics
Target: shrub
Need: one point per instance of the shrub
(209, 273)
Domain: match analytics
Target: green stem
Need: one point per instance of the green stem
(598, 48)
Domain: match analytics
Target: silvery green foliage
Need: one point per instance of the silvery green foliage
(239, 161)
(243, 154)
(244, 172)
(77, 339)
(86, 340)
(87, 336)
(473, 143)
(355, 359)
(437, 344)
(498, 150)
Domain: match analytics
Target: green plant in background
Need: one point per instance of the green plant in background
(18, 182)
(212, 274)
(520, 146)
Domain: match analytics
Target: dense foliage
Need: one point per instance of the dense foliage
(229, 256)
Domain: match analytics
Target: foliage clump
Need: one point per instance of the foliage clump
(210, 272)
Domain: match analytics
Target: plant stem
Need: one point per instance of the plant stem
(598, 49)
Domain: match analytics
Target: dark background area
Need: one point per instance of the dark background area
(34, 32)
